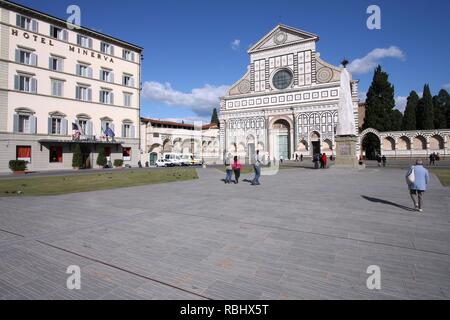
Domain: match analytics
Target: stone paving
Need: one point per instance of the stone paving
(302, 234)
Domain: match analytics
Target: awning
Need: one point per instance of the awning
(46, 141)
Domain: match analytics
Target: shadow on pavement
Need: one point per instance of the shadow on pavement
(376, 200)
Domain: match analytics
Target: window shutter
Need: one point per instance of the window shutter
(79, 39)
(64, 127)
(123, 131)
(34, 85)
(50, 63)
(33, 59)
(89, 72)
(132, 56)
(111, 77)
(18, 20)
(112, 50)
(77, 93)
(15, 123)
(65, 35)
(52, 28)
(18, 55)
(61, 88)
(111, 98)
(61, 65)
(103, 126)
(33, 121)
(89, 94)
(34, 26)
(49, 125)
(16, 82)
(78, 70)
(90, 43)
(100, 98)
(88, 128)
(131, 81)
(132, 132)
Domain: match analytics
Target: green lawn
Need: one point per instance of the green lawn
(40, 186)
(443, 175)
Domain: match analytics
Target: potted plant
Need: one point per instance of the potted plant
(101, 159)
(77, 160)
(18, 166)
(118, 163)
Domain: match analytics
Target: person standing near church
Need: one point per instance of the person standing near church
(417, 179)
(257, 168)
(236, 166)
(324, 161)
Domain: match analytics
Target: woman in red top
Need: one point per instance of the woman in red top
(237, 169)
(324, 160)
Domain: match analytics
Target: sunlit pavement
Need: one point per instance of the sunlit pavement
(302, 234)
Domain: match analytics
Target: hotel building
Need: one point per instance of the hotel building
(60, 87)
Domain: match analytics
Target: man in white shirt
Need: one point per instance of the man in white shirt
(257, 168)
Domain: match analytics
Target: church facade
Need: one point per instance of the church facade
(286, 103)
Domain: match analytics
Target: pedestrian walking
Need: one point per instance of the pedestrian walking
(229, 171)
(301, 157)
(417, 179)
(432, 159)
(257, 168)
(324, 161)
(383, 159)
(236, 166)
(281, 160)
(378, 160)
(316, 161)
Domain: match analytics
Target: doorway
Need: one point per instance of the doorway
(153, 158)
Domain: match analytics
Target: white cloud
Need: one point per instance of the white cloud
(199, 100)
(400, 103)
(372, 59)
(236, 44)
(446, 86)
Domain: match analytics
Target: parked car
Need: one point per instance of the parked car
(173, 159)
(161, 163)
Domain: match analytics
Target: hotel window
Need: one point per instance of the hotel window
(57, 124)
(106, 75)
(128, 80)
(83, 93)
(56, 154)
(57, 87)
(127, 99)
(128, 55)
(56, 63)
(128, 129)
(84, 41)
(106, 48)
(26, 57)
(106, 97)
(58, 33)
(84, 71)
(25, 83)
(23, 153)
(126, 154)
(83, 126)
(24, 121)
(26, 23)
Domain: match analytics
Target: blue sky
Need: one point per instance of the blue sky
(195, 49)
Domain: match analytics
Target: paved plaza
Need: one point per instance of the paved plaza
(302, 234)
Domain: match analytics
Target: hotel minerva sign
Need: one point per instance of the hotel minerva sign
(72, 48)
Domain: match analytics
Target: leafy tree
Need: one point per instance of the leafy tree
(409, 117)
(214, 117)
(101, 159)
(380, 102)
(77, 159)
(425, 110)
(441, 104)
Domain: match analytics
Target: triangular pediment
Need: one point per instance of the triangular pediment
(282, 36)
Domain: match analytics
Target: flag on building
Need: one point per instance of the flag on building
(109, 132)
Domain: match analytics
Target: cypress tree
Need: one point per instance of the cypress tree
(425, 116)
(380, 102)
(77, 159)
(101, 159)
(409, 117)
(214, 117)
(397, 119)
(441, 103)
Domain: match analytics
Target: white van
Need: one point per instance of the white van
(173, 159)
